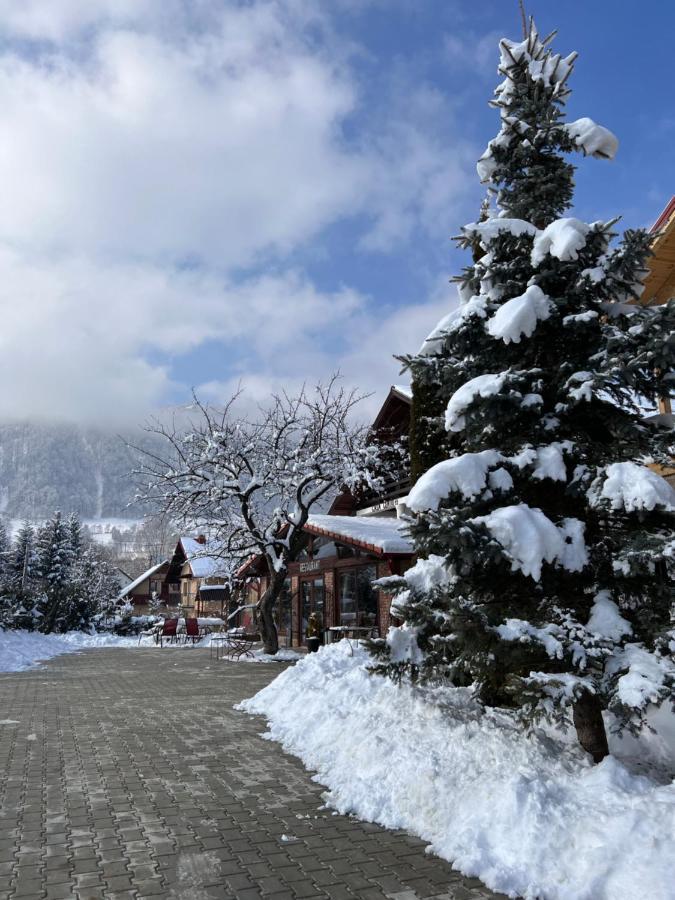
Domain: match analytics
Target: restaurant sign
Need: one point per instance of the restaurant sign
(312, 566)
(385, 506)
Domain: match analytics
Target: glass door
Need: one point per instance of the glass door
(311, 601)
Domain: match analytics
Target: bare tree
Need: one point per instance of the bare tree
(252, 482)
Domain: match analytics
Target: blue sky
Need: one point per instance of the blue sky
(207, 193)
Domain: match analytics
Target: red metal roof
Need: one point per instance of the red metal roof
(665, 215)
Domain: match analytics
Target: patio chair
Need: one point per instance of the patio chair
(192, 631)
(169, 631)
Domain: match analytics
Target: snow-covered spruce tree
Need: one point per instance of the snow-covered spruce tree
(544, 539)
(95, 587)
(54, 569)
(21, 572)
(6, 593)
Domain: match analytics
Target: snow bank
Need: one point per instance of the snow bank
(593, 139)
(519, 316)
(529, 816)
(21, 650)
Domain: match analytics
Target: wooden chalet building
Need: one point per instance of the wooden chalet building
(198, 572)
(152, 583)
(659, 287)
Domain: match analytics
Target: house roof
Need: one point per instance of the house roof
(141, 578)
(381, 536)
(659, 285)
(205, 559)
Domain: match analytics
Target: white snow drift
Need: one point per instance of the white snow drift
(23, 649)
(529, 816)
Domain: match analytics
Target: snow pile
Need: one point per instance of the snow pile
(428, 574)
(519, 316)
(474, 306)
(482, 386)
(403, 644)
(472, 473)
(632, 487)
(593, 139)
(529, 815)
(605, 621)
(21, 650)
(529, 538)
(562, 239)
(645, 677)
(492, 228)
(466, 474)
(284, 654)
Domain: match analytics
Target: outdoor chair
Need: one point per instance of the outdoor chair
(193, 632)
(240, 644)
(169, 632)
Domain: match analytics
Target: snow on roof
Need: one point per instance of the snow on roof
(206, 559)
(141, 578)
(404, 389)
(380, 534)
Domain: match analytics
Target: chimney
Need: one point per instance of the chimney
(201, 539)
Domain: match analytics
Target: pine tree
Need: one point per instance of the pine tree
(6, 594)
(75, 539)
(21, 574)
(545, 540)
(94, 588)
(54, 568)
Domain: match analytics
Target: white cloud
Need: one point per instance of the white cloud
(76, 334)
(367, 360)
(151, 151)
(214, 150)
(478, 53)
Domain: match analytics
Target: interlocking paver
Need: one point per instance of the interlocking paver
(145, 782)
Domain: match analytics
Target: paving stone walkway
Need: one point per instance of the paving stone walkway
(127, 774)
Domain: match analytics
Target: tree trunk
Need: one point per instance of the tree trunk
(587, 715)
(266, 605)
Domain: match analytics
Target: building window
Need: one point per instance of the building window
(358, 597)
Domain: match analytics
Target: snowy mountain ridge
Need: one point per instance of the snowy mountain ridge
(79, 469)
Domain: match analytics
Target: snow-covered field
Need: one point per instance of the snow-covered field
(22, 649)
(530, 816)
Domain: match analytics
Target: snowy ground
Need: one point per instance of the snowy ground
(20, 650)
(530, 816)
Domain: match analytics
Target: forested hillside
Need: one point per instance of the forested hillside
(82, 470)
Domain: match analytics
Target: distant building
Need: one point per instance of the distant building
(198, 569)
(151, 584)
